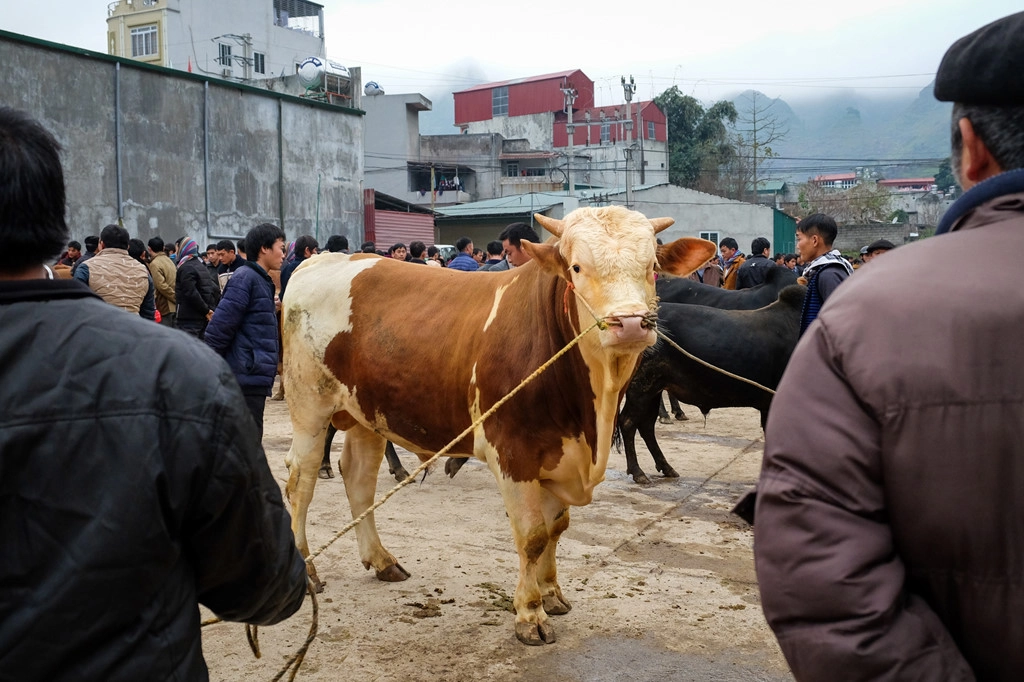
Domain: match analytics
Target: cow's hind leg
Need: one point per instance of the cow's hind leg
(646, 429)
(360, 464)
(303, 460)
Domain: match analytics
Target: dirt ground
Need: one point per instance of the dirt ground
(661, 578)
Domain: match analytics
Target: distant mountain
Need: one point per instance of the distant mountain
(893, 136)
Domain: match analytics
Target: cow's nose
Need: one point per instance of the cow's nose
(628, 328)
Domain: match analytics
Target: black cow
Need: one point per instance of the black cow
(681, 290)
(755, 344)
(394, 464)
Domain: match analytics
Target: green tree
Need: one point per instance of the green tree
(698, 140)
(945, 179)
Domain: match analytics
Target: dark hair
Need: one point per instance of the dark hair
(759, 245)
(92, 242)
(114, 237)
(337, 243)
(729, 242)
(136, 249)
(396, 246)
(210, 247)
(368, 247)
(1000, 128)
(819, 224)
(157, 244)
(788, 257)
(225, 245)
(74, 245)
(462, 243)
(241, 247)
(478, 250)
(416, 249)
(495, 249)
(517, 232)
(32, 198)
(304, 242)
(433, 250)
(263, 236)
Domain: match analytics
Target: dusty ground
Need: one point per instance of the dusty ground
(661, 578)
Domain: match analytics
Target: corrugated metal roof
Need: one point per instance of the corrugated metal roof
(511, 156)
(517, 204)
(517, 81)
(771, 185)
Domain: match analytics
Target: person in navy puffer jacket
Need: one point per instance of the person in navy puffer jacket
(243, 328)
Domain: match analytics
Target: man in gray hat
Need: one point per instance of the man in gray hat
(889, 536)
(876, 248)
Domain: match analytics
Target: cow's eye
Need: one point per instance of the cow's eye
(575, 268)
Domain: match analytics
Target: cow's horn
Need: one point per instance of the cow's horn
(552, 225)
(660, 224)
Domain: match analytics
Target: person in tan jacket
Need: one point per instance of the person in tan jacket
(889, 534)
(116, 277)
(164, 274)
(732, 259)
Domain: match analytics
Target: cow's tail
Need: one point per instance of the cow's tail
(617, 436)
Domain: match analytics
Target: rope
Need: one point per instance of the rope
(693, 357)
(422, 467)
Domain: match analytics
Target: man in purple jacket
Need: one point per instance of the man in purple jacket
(889, 536)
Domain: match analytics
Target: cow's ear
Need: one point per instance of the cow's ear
(685, 255)
(547, 257)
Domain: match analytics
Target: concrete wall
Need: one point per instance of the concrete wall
(537, 128)
(696, 212)
(852, 238)
(206, 159)
(392, 139)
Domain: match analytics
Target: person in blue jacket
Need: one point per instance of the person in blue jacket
(243, 328)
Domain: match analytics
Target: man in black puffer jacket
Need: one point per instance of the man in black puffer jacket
(133, 485)
(244, 327)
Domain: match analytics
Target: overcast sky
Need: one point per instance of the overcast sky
(710, 48)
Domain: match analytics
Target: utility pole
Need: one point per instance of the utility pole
(570, 94)
(627, 91)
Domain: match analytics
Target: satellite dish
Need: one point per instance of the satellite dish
(372, 89)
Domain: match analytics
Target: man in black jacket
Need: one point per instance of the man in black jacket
(134, 486)
(754, 268)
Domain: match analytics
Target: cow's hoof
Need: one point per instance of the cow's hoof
(555, 605)
(665, 420)
(400, 474)
(534, 634)
(641, 478)
(681, 417)
(393, 574)
(669, 472)
(325, 471)
(452, 465)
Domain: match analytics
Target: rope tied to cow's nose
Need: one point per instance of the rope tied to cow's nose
(649, 319)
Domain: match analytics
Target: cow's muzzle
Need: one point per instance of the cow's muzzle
(633, 327)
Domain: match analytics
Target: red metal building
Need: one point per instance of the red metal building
(522, 96)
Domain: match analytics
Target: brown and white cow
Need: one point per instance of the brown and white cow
(351, 322)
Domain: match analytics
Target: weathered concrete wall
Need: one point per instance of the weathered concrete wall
(202, 158)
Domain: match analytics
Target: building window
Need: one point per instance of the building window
(512, 170)
(225, 54)
(259, 62)
(650, 130)
(710, 236)
(606, 133)
(499, 102)
(144, 41)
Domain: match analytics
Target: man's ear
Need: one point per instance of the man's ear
(685, 255)
(976, 161)
(547, 257)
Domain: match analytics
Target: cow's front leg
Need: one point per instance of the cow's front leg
(525, 504)
(557, 518)
(360, 464)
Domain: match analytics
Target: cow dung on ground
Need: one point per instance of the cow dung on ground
(661, 577)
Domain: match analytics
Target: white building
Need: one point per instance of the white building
(235, 39)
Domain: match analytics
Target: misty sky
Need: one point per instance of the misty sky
(797, 49)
